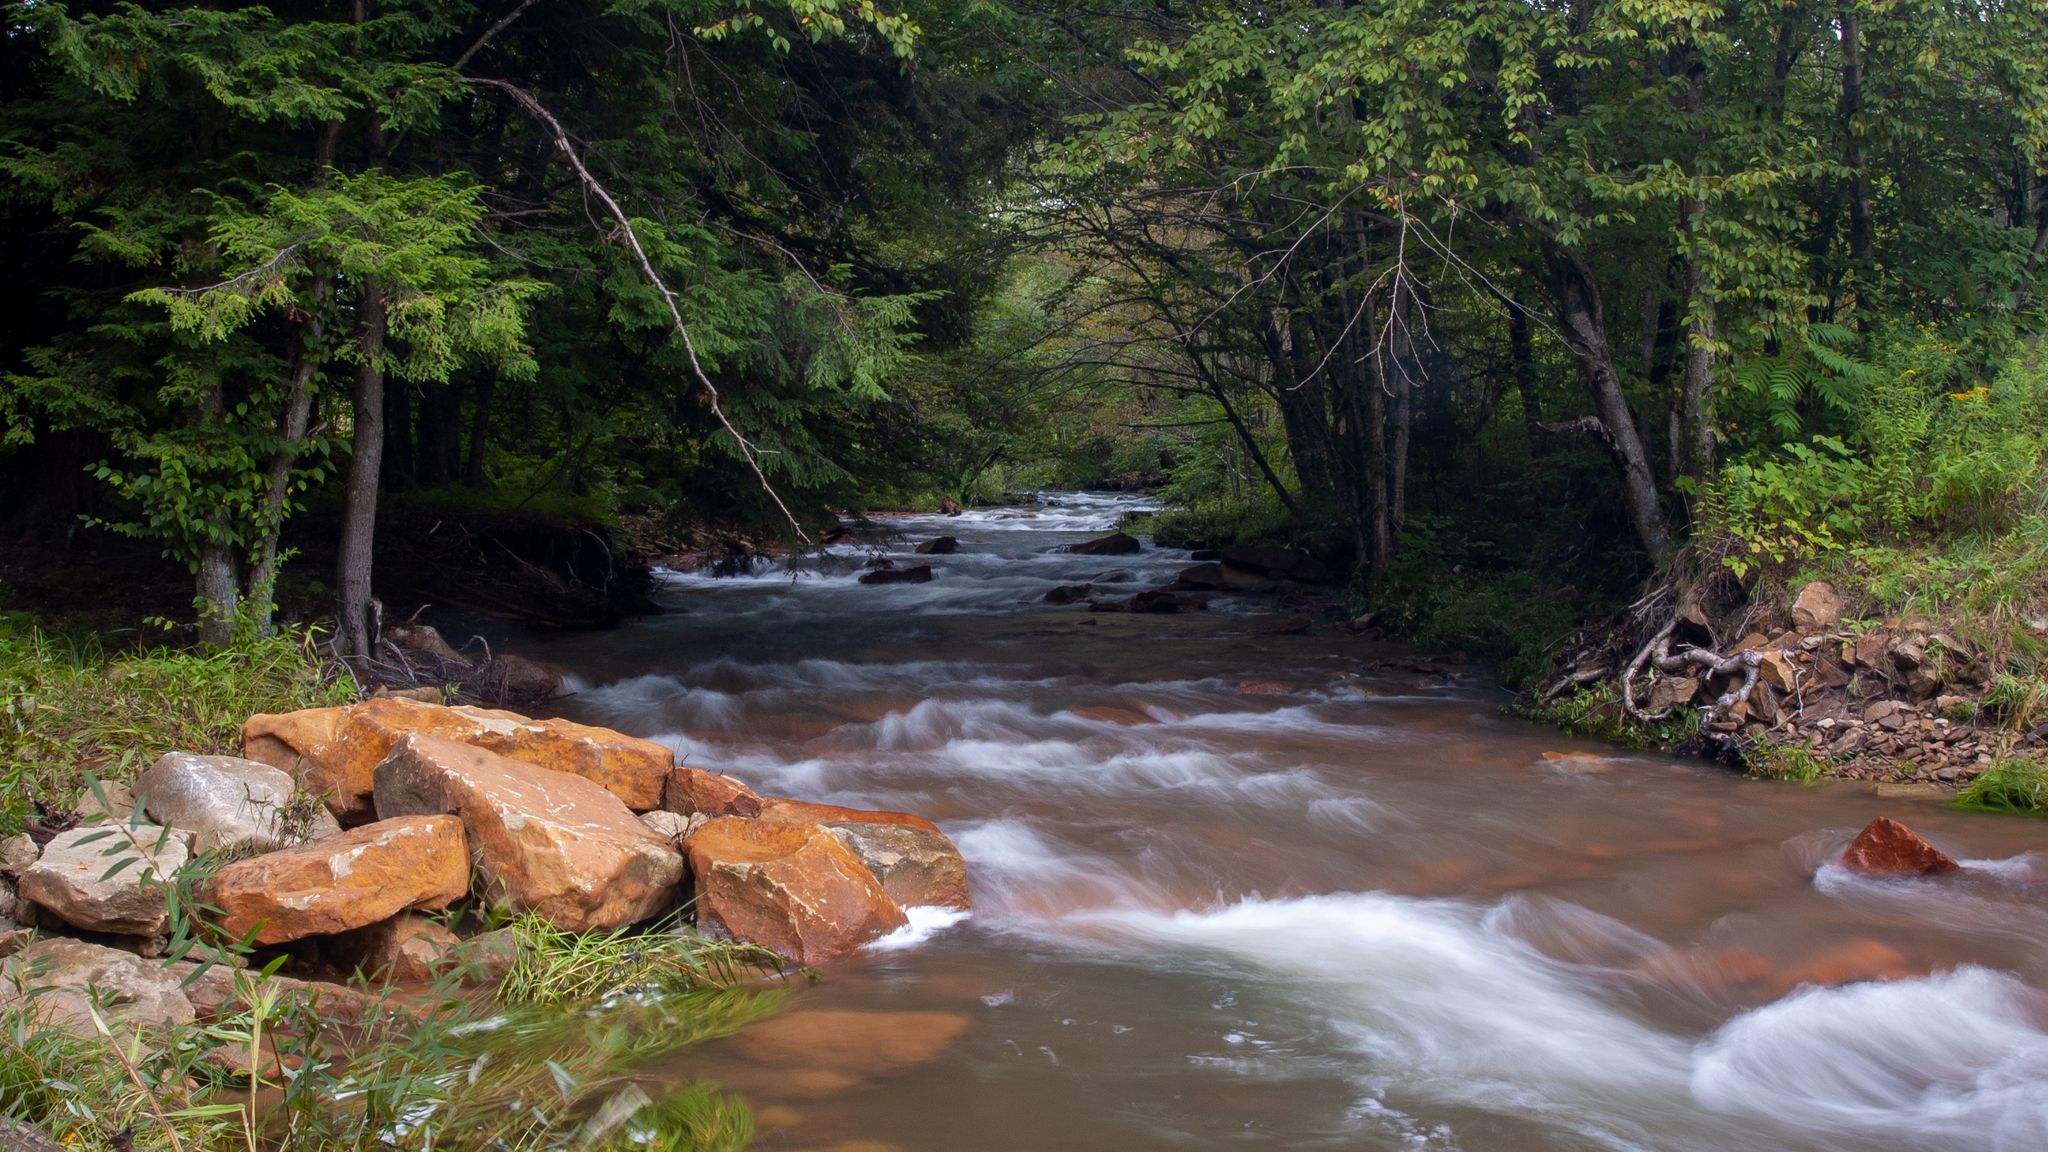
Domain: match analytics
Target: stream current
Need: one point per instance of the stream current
(1370, 912)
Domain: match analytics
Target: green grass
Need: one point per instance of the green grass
(2009, 786)
(569, 1057)
(1796, 763)
(553, 967)
(69, 708)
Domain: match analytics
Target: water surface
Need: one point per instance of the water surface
(1368, 912)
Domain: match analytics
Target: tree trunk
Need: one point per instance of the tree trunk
(1584, 323)
(307, 351)
(1696, 387)
(1400, 346)
(1862, 238)
(215, 581)
(359, 517)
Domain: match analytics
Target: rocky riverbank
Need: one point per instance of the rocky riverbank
(381, 840)
(1800, 689)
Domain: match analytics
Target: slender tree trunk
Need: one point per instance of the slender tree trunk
(398, 470)
(1696, 387)
(307, 350)
(1862, 238)
(216, 583)
(1407, 366)
(1522, 355)
(440, 442)
(359, 517)
(1584, 322)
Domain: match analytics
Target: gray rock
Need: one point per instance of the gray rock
(72, 882)
(675, 825)
(70, 977)
(226, 800)
(119, 806)
(17, 853)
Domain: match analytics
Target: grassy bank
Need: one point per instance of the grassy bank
(527, 1065)
(72, 706)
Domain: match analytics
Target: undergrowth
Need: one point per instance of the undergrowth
(70, 708)
(1784, 760)
(552, 966)
(1595, 712)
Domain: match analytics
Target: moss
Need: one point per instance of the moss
(1596, 714)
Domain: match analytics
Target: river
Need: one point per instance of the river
(1370, 912)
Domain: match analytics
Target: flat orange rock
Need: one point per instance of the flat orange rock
(348, 881)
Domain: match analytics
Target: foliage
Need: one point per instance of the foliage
(69, 708)
(2009, 786)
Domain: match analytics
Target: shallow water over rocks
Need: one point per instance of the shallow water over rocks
(1235, 889)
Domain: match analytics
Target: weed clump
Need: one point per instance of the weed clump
(2009, 786)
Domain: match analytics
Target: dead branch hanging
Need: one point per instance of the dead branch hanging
(534, 108)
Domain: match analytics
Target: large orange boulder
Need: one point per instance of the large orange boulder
(335, 751)
(1886, 847)
(348, 881)
(913, 861)
(791, 888)
(547, 842)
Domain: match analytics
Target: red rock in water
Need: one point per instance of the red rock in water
(1888, 848)
(939, 546)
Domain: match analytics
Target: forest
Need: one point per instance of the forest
(1087, 574)
(1496, 301)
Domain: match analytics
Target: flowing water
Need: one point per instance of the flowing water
(1368, 913)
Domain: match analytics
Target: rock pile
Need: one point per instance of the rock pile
(343, 827)
(1888, 701)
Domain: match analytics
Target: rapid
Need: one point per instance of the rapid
(1242, 889)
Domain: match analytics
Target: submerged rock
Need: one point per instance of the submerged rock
(1886, 847)
(335, 751)
(1114, 544)
(862, 1043)
(939, 546)
(107, 877)
(349, 881)
(546, 842)
(789, 887)
(226, 800)
(916, 574)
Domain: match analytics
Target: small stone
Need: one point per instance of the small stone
(108, 877)
(674, 827)
(1750, 642)
(119, 805)
(1774, 670)
(1886, 847)
(17, 852)
(1114, 544)
(1818, 606)
(1672, 691)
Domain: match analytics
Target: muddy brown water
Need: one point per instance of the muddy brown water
(1369, 913)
